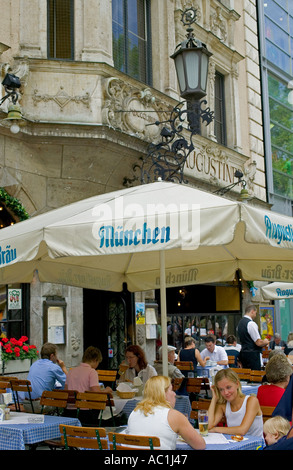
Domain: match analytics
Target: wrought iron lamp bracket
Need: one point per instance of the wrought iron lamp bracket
(166, 159)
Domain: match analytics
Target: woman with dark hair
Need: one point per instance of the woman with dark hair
(137, 365)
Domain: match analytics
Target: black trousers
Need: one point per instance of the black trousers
(250, 360)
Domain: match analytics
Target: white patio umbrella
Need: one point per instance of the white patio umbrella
(277, 291)
(151, 236)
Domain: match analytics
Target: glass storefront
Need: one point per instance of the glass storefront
(199, 326)
(201, 310)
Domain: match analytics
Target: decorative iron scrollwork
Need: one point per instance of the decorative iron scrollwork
(166, 159)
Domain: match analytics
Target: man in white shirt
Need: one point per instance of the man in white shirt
(214, 352)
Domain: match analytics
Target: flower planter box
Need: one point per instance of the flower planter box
(16, 366)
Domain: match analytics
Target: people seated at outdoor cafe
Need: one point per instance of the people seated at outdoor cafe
(191, 353)
(285, 406)
(232, 349)
(213, 352)
(277, 342)
(43, 375)
(137, 365)
(84, 378)
(242, 412)
(173, 371)
(155, 415)
(277, 372)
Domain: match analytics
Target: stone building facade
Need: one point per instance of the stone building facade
(88, 123)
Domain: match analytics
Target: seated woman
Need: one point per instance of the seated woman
(278, 371)
(155, 415)
(243, 413)
(138, 365)
(191, 353)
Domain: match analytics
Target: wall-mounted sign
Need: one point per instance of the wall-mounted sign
(140, 313)
(14, 299)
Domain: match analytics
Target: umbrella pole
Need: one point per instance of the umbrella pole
(163, 313)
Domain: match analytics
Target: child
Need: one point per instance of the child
(275, 429)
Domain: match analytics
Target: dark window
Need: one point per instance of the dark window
(131, 38)
(220, 124)
(60, 29)
(14, 310)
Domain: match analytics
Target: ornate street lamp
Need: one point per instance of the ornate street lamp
(166, 159)
(191, 59)
(14, 119)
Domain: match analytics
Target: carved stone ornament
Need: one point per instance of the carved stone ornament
(61, 98)
(132, 110)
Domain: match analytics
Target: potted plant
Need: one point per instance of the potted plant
(17, 355)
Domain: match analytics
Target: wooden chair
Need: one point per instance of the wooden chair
(267, 412)
(91, 401)
(243, 374)
(4, 385)
(16, 386)
(257, 375)
(184, 365)
(77, 437)
(202, 405)
(108, 376)
(132, 442)
(231, 360)
(55, 399)
(176, 383)
(195, 385)
(110, 403)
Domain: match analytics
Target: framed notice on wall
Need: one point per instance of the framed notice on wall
(55, 321)
(56, 325)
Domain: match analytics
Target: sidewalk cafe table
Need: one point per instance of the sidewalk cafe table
(17, 433)
(250, 389)
(126, 406)
(216, 441)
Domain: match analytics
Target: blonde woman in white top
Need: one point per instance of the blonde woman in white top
(155, 416)
(243, 413)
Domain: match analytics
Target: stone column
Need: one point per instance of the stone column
(97, 31)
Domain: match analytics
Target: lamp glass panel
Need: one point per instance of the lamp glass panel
(192, 62)
(204, 71)
(180, 72)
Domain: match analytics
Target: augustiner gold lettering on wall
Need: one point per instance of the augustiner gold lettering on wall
(208, 166)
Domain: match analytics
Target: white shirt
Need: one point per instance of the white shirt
(143, 374)
(252, 329)
(155, 424)
(219, 354)
(253, 332)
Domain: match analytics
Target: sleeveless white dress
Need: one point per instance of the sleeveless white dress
(234, 418)
(155, 424)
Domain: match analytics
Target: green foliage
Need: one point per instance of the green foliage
(13, 204)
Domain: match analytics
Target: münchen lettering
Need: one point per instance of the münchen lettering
(186, 276)
(8, 255)
(278, 231)
(111, 237)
